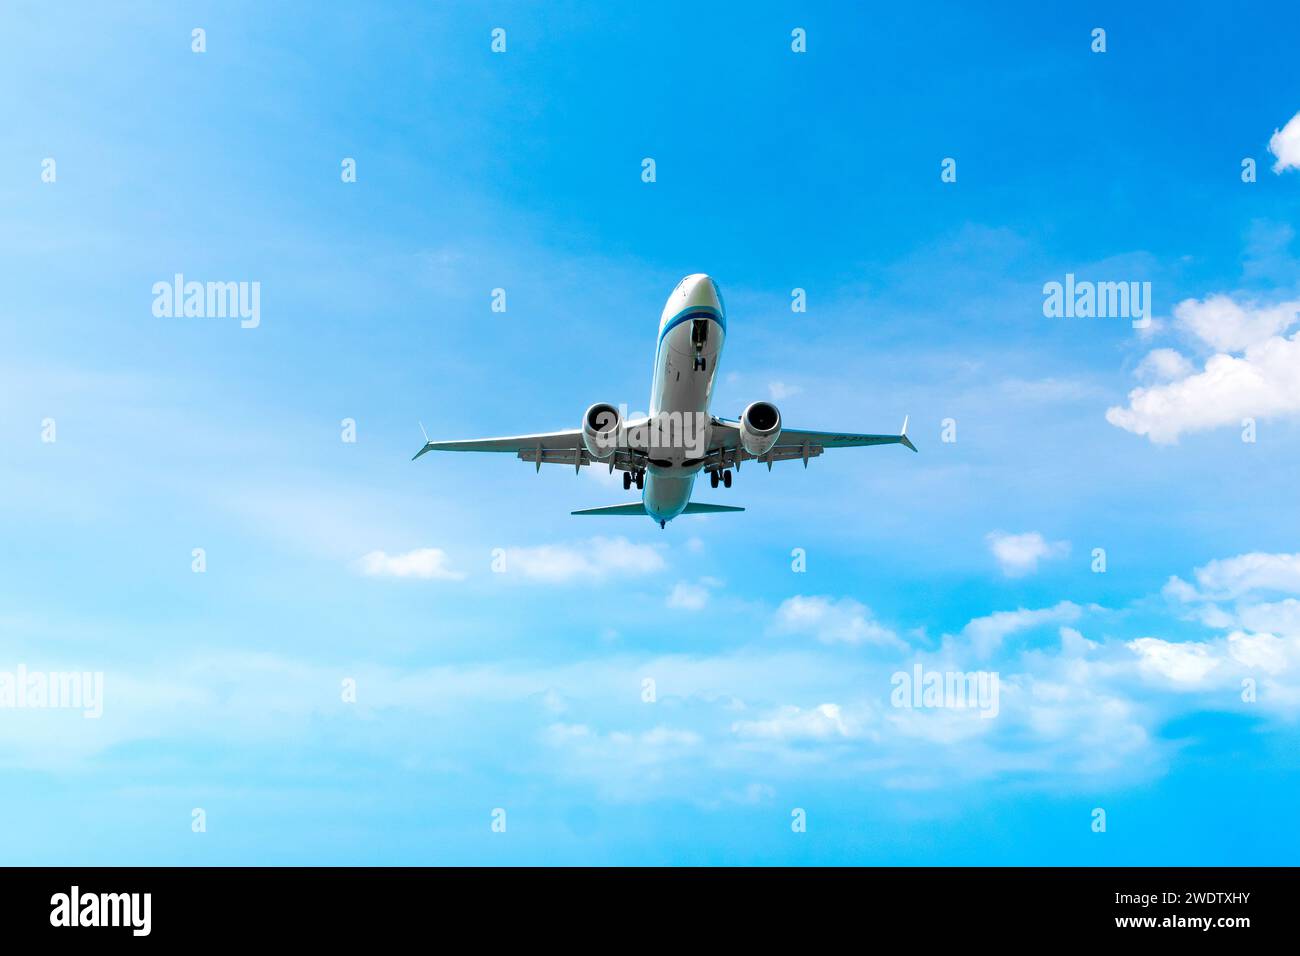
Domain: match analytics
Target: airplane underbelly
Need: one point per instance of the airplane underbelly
(666, 496)
(688, 360)
(683, 388)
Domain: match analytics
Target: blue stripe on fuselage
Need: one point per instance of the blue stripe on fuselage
(694, 312)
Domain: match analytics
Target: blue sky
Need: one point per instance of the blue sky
(523, 690)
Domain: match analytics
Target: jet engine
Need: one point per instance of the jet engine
(760, 427)
(600, 430)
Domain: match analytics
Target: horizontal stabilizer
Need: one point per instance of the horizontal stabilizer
(637, 508)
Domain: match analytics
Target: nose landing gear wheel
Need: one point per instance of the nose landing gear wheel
(726, 478)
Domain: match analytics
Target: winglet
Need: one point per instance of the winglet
(427, 444)
(903, 435)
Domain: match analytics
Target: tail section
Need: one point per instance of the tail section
(638, 508)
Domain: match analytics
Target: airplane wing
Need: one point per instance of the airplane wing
(545, 448)
(567, 448)
(792, 444)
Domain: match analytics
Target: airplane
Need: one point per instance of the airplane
(663, 452)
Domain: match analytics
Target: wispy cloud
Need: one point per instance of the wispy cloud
(691, 595)
(793, 723)
(986, 634)
(1228, 578)
(426, 563)
(831, 621)
(593, 560)
(1071, 708)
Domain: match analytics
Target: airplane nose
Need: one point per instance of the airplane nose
(699, 289)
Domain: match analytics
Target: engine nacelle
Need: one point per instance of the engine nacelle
(760, 427)
(600, 427)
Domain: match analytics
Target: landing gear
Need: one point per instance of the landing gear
(631, 476)
(640, 480)
(699, 338)
(627, 480)
(713, 479)
(726, 478)
(717, 476)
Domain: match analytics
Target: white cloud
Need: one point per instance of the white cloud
(845, 621)
(1264, 638)
(1069, 711)
(625, 765)
(1074, 644)
(986, 634)
(1219, 665)
(1019, 554)
(1276, 617)
(1228, 326)
(1265, 652)
(427, 563)
(1266, 634)
(792, 723)
(669, 737)
(1072, 711)
(1188, 662)
(1262, 382)
(780, 390)
(751, 794)
(656, 739)
(592, 560)
(1229, 578)
(559, 734)
(1285, 145)
(1163, 365)
(688, 596)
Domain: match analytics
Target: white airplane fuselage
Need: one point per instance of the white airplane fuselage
(692, 330)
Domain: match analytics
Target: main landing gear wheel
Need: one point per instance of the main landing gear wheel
(640, 480)
(726, 478)
(627, 480)
(713, 479)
